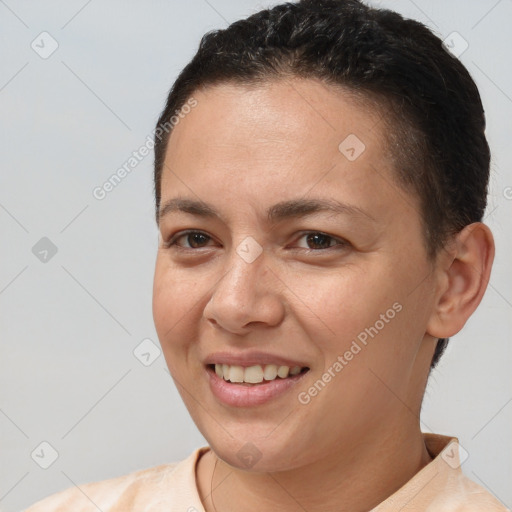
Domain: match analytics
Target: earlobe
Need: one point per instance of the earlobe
(463, 281)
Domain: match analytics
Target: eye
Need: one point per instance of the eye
(194, 239)
(316, 240)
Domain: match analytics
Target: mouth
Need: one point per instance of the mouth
(247, 386)
(256, 374)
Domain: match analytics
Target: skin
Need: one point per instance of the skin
(242, 149)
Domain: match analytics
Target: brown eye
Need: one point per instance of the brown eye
(194, 240)
(319, 241)
(316, 240)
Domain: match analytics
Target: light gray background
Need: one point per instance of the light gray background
(68, 375)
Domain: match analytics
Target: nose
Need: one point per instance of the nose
(247, 296)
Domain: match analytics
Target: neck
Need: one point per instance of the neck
(353, 482)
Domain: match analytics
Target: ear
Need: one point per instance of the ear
(463, 270)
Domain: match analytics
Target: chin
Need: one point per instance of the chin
(258, 454)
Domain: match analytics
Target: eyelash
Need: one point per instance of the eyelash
(172, 242)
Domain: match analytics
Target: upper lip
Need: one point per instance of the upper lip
(251, 358)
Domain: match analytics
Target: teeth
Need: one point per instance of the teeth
(295, 370)
(254, 374)
(270, 372)
(236, 374)
(283, 371)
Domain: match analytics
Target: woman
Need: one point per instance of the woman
(317, 251)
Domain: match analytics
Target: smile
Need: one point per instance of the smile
(255, 374)
(239, 386)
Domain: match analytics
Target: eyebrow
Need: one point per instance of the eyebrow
(293, 208)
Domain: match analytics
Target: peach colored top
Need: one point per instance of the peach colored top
(439, 487)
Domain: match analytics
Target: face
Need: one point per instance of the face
(303, 252)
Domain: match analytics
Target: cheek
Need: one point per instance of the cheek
(176, 303)
(342, 303)
(363, 316)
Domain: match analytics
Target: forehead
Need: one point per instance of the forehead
(281, 140)
(295, 113)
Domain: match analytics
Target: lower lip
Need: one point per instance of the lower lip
(239, 395)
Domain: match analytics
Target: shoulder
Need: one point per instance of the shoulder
(127, 492)
(467, 496)
(451, 490)
(441, 485)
